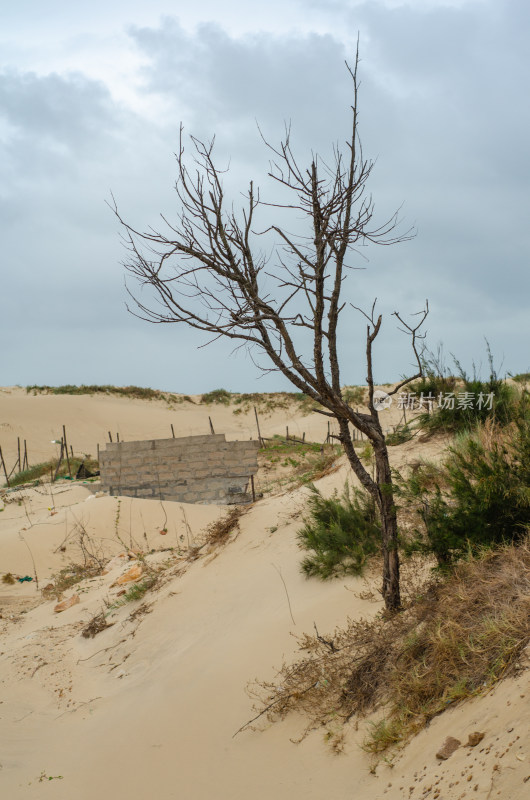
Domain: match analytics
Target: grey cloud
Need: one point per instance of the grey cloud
(230, 81)
(442, 107)
(65, 113)
(431, 79)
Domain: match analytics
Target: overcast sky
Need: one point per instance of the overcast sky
(91, 97)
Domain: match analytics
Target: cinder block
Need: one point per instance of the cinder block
(163, 475)
(202, 474)
(217, 472)
(145, 491)
(110, 474)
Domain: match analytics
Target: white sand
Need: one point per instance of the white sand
(148, 707)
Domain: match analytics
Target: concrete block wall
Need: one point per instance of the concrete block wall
(190, 469)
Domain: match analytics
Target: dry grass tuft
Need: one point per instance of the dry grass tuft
(464, 633)
(219, 531)
(97, 624)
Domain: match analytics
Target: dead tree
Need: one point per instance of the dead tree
(207, 271)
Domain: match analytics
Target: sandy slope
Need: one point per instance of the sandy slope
(39, 420)
(150, 705)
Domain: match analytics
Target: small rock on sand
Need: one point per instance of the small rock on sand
(132, 574)
(448, 748)
(474, 738)
(68, 603)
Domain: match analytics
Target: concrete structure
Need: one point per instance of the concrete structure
(192, 469)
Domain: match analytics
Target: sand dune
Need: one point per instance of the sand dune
(88, 419)
(149, 706)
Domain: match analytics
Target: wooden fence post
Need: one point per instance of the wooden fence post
(59, 462)
(4, 466)
(260, 440)
(66, 451)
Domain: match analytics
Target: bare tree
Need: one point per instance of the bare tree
(207, 271)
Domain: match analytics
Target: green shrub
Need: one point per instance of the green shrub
(354, 395)
(137, 590)
(217, 396)
(503, 407)
(401, 435)
(522, 377)
(480, 498)
(341, 533)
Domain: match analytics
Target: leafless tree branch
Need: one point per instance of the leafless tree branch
(207, 270)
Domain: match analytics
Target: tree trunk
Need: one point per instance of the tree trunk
(382, 491)
(389, 529)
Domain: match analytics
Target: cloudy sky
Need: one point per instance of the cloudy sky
(91, 97)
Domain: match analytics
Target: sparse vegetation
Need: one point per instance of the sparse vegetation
(268, 402)
(8, 578)
(304, 461)
(341, 532)
(69, 576)
(43, 470)
(464, 632)
(264, 402)
(522, 377)
(136, 392)
(44, 777)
